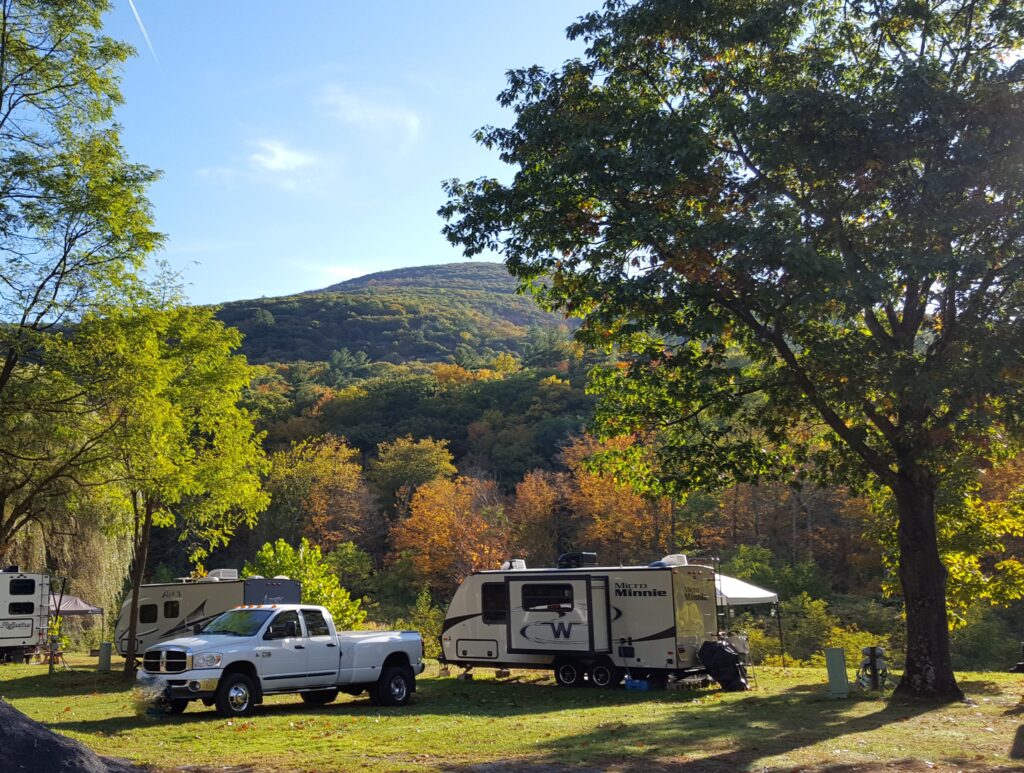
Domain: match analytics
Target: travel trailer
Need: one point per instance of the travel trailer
(587, 623)
(172, 609)
(24, 613)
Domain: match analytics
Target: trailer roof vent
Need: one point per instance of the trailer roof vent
(514, 564)
(576, 560)
(676, 559)
(281, 577)
(223, 574)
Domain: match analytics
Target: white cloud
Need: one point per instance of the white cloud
(276, 156)
(370, 114)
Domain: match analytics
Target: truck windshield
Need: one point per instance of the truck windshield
(238, 622)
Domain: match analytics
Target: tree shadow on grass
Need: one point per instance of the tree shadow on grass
(719, 736)
(80, 681)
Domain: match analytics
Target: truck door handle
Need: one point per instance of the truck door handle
(300, 646)
(331, 644)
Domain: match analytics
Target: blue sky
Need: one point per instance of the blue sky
(304, 143)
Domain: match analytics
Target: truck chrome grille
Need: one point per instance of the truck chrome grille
(164, 661)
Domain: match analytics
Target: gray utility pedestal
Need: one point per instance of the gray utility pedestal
(835, 662)
(105, 651)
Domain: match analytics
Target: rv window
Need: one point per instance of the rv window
(547, 596)
(171, 610)
(495, 602)
(315, 623)
(21, 608)
(147, 613)
(23, 587)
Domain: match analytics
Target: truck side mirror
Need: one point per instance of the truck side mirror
(291, 629)
(197, 628)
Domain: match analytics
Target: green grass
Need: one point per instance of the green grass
(527, 723)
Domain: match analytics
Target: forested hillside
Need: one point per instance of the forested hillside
(430, 313)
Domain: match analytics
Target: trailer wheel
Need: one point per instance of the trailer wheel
(235, 695)
(605, 674)
(319, 697)
(568, 673)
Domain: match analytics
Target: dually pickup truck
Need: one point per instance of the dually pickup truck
(251, 651)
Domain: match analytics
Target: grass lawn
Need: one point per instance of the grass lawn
(527, 723)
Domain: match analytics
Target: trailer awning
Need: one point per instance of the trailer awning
(734, 593)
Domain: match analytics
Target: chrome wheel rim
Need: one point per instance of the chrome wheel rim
(398, 687)
(238, 697)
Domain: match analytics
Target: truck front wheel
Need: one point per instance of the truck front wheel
(393, 688)
(235, 695)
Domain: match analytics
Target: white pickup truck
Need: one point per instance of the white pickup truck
(257, 650)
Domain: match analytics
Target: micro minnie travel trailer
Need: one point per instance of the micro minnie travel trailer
(24, 613)
(587, 622)
(171, 609)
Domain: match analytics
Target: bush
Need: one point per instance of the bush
(428, 620)
(985, 643)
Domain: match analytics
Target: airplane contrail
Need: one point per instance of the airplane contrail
(144, 33)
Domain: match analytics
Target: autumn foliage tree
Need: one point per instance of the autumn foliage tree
(455, 527)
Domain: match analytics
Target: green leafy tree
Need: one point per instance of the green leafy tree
(319, 584)
(76, 227)
(426, 618)
(404, 464)
(789, 217)
(187, 455)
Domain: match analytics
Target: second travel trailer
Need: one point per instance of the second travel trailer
(24, 613)
(589, 623)
(171, 609)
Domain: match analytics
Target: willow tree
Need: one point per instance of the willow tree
(803, 220)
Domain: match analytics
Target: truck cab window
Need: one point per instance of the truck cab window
(316, 625)
(495, 602)
(547, 596)
(147, 613)
(23, 587)
(279, 628)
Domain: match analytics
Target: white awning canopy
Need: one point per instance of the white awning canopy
(733, 592)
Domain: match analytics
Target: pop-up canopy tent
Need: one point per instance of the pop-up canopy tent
(63, 605)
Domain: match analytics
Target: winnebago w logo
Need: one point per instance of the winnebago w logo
(548, 631)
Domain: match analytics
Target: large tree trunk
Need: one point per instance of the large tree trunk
(929, 669)
(138, 572)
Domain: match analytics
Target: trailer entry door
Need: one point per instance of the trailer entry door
(557, 613)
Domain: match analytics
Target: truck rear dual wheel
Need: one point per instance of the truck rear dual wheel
(393, 688)
(236, 695)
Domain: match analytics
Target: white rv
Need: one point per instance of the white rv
(587, 623)
(24, 613)
(171, 609)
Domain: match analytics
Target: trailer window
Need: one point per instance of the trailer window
(23, 587)
(315, 623)
(495, 602)
(147, 613)
(171, 610)
(547, 596)
(21, 608)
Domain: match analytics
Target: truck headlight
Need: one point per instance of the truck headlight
(206, 660)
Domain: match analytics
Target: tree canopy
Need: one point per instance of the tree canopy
(802, 222)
